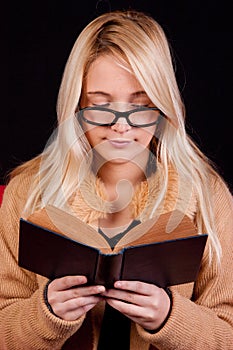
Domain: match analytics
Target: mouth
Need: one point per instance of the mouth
(120, 143)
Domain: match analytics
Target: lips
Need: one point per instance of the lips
(119, 143)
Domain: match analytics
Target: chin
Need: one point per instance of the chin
(119, 161)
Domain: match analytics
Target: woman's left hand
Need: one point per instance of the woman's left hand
(145, 304)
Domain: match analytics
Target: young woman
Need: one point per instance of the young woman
(120, 155)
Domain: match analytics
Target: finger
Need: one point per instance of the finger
(126, 297)
(67, 282)
(74, 314)
(129, 310)
(59, 296)
(138, 314)
(79, 292)
(136, 287)
(71, 305)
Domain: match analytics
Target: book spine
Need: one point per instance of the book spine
(108, 269)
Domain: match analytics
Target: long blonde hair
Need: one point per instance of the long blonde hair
(140, 41)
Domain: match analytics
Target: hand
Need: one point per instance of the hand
(69, 299)
(145, 304)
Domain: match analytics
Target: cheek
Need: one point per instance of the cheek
(145, 136)
(93, 135)
(90, 137)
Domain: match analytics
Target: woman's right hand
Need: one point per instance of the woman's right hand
(69, 299)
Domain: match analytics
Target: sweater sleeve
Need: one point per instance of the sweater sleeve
(206, 321)
(25, 321)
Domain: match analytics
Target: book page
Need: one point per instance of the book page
(172, 225)
(59, 221)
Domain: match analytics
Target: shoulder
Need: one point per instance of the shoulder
(17, 189)
(221, 195)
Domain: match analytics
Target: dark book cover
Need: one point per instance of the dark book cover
(164, 263)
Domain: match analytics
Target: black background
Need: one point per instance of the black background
(36, 40)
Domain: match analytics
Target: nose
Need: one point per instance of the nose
(121, 126)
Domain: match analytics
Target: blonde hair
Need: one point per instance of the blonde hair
(139, 40)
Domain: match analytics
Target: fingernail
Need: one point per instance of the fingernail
(117, 284)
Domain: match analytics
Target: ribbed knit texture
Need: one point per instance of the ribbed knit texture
(204, 323)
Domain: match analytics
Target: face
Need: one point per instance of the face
(111, 86)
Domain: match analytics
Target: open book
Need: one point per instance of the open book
(165, 250)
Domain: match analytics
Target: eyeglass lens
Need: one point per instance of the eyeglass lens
(143, 117)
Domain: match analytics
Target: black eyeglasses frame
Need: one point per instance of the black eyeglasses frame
(119, 115)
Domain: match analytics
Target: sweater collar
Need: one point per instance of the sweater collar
(89, 203)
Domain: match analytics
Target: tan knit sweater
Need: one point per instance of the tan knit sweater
(201, 316)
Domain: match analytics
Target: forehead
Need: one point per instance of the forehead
(107, 73)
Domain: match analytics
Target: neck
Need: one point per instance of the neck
(120, 187)
(120, 178)
(113, 172)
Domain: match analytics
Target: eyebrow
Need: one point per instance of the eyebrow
(139, 93)
(98, 93)
(133, 94)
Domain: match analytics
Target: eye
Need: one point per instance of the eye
(100, 105)
(140, 105)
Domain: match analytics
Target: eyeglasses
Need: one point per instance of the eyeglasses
(141, 117)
